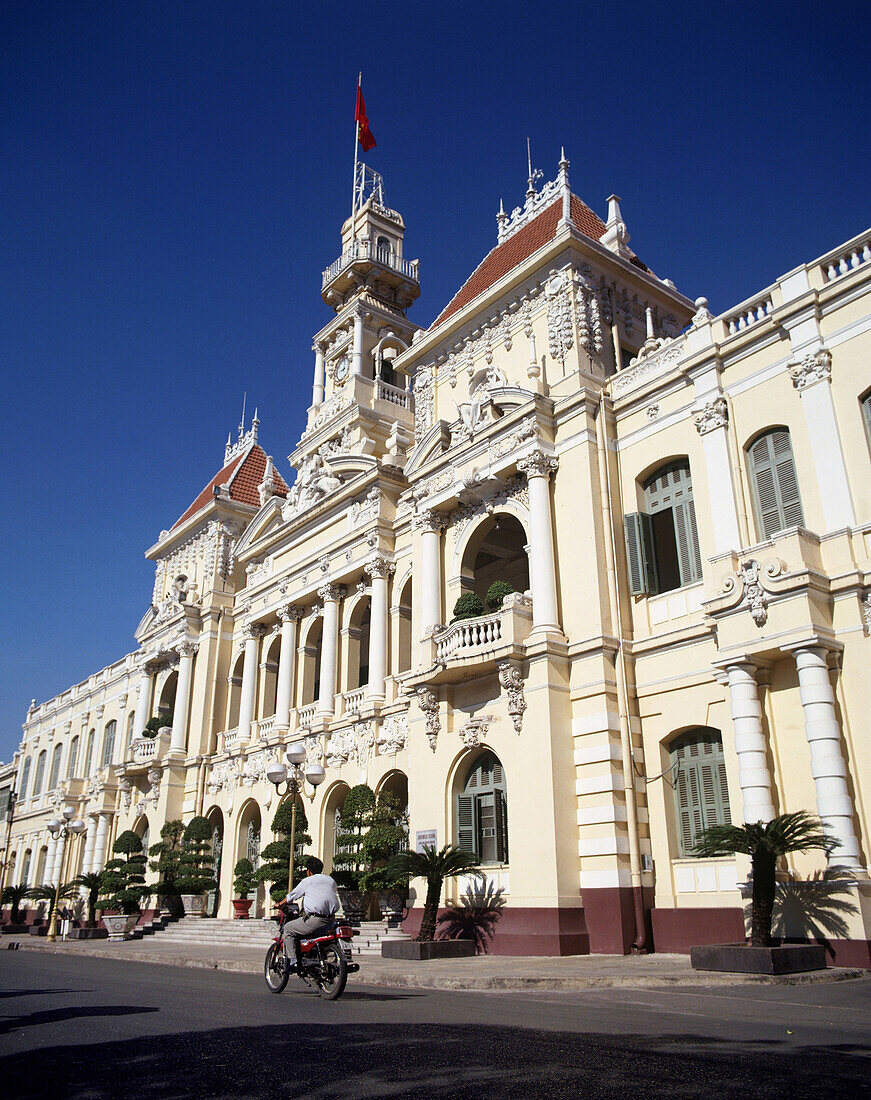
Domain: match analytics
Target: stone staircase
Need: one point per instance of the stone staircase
(217, 932)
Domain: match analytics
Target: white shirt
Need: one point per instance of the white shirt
(319, 895)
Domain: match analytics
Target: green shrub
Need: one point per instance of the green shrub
(195, 874)
(167, 861)
(244, 878)
(123, 879)
(468, 606)
(276, 856)
(155, 724)
(496, 593)
(354, 820)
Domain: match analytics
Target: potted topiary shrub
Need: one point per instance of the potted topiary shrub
(122, 886)
(468, 606)
(496, 593)
(350, 860)
(387, 834)
(195, 877)
(154, 725)
(276, 856)
(244, 883)
(167, 864)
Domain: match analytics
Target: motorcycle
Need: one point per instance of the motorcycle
(323, 962)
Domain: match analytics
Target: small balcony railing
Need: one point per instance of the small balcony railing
(231, 738)
(363, 250)
(354, 701)
(307, 715)
(144, 749)
(393, 395)
(474, 637)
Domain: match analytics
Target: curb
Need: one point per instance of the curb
(493, 983)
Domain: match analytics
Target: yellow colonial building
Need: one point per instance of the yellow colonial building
(681, 504)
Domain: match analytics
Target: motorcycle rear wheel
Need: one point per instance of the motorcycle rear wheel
(332, 973)
(275, 969)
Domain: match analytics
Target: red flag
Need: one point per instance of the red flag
(364, 134)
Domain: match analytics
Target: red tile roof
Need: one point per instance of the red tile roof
(519, 247)
(243, 474)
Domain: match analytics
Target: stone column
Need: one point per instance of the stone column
(143, 702)
(431, 524)
(542, 572)
(331, 594)
(289, 615)
(99, 857)
(253, 633)
(711, 421)
(379, 569)
(318, 387)
(753, 773)
(51, 860)
(357, 349)
(90, 838)
(812, 376)
(178, 742)
(834, 804)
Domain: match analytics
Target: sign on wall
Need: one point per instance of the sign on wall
(428, 837)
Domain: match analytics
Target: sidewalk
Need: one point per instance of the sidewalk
(487, 972)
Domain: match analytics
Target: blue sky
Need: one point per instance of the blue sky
(174, 178)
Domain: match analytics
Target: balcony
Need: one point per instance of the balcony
(364, 252)
(474, 644)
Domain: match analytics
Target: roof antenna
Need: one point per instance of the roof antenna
(242, 421)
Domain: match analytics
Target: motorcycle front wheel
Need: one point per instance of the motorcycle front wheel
(275, 969)
(333, 972)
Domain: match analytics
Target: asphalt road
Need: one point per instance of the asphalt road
(92, 1028)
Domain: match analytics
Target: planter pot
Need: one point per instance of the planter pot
(354, 903)
(38, 929)
(241, 907)
(194, 905)
(119, 925)
(88, 933)
(739, 958)
(13, 929)
(391, 902)
(420, 951)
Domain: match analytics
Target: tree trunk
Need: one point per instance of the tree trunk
(762, 901)
(430, 910)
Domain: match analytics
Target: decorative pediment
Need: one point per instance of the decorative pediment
(432, 445)
(267, 520)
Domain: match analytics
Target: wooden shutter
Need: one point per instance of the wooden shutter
(866, 414)
(701, 793)
(687, 538)
(643, 579)
(465, 823)
(776, 494)
(501, 827)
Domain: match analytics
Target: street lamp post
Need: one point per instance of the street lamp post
(293, 773)
(60, 828)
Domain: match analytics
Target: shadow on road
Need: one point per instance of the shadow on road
(59, 1015)
(343, 1060)
(4, 993)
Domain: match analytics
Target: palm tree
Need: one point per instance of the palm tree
(13, 896)
(765, 842)
(91, 881)
(435, 867)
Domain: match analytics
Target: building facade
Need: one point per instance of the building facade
(681, 507)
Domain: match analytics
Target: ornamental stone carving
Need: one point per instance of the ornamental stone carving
(651, 365)
(812, 368)
(713, 415)
(188, 648)
(332, 593)
(424, 402)
(380, 568)
(290, 613)
(314, 749)
(154, 777)
(338, 748)
(314, 483)
(747, 584)
(126, 787)
(537, 464)
(225, 777)
(393, 734)
(431, 521)
(254, 630)
(866, 614)
(475, 730)
(255, 767)
(512, 682)
(560, 330)
(428, 701)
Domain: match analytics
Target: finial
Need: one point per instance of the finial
(242, 421)
(564, 186)
(534, 174)
(501, 221)
(563, 163)
(616, 235)
(255, 424)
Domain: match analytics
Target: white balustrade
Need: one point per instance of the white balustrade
(748, 314)
(231, 739)
(144, 749)
(393, 395)
(468, 634)
(833, 267)
(362, 250)
(266, 727)
(306, 715)
(354, 701)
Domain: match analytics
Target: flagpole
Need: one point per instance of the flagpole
(356, 143)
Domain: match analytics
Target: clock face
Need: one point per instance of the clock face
(342, 368)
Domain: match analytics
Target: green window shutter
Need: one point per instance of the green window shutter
(639, 554)
(687, 537)
(776, 494)
(866, 414)
(701, 794)
(501, 827)
(465, 823)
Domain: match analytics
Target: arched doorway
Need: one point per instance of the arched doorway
(481, 809)
(216, 820)
(248, 845)
(496, 551)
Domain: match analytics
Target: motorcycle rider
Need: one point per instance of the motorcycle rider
(318, 902)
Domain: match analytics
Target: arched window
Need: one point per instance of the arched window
(25, 866)
(866, 415)
(40, 773)
(89, 753)
(662, 542)
(25, 777)
(701, 796)
(131, 719)
(74, 757)
(54, 778)
(109, 743)
(482, 811)
(383, 251)
(776, 499)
